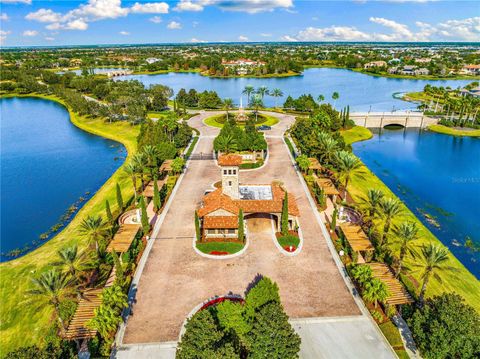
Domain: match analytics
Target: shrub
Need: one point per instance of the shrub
(376, 315)
(289, 240)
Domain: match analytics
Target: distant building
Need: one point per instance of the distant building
(422, 71)
(471, 69)
(424, 60)
(152, 60)
(243, 62)
(374, 64)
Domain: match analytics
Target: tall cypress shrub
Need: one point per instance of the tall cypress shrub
(156, 196)
(145, 222)
(284, 219)
(108, 211)
(119, 197)
(197, 227)
(241, 229)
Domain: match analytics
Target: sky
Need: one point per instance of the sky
(89, 22)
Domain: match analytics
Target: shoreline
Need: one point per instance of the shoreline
(462, 280)
(23, 320)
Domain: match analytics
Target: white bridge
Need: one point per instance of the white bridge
(402, 118)
(119, 73)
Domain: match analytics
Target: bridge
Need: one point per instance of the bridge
(119, 73)
(405, 119)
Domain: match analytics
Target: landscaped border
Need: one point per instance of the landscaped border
(281, 249)
(225, 256)
(453, 131)
(210, 121)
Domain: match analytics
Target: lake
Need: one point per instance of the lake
(435, 174)
(47, 164)
(362, 92)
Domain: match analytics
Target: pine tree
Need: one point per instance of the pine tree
(108, 212)
(197, 227)
(284, 218)
(119, 197)
(156, 196)
(241, 230)
(145, 222)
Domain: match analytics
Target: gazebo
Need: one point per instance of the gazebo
(328, 187)
(397, 293)
(124, 237)
(357, 240)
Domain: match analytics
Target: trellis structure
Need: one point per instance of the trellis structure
(357, 240)
(397, 292)
(124, 237)
(77, 328)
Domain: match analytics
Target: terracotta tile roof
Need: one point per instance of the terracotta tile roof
(217, 200)
(230, 160)
(220, 222)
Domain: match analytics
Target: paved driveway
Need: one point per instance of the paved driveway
(175, 279)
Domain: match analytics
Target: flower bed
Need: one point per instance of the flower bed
(219, 248)
(288, 242)
(220, 300)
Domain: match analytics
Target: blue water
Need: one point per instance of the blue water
(436, 174)
(362, 92)
(47, 164)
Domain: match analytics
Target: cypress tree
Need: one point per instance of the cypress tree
(241, 230)
(109, 212)
(145, 222)
(284, 218)
(119, 197)
(119, 277)
(334, 219)
(156, 196)
(197, 227)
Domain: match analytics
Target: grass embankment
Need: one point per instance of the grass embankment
(356, 134)
(458, 280)
(454, 131)
(219, 120)
(23, 321)
(266, 76)
(230, 247)
(393, 336)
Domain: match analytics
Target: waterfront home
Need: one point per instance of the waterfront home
(220, 209)
(423, 60)
(374, 64)
(152, 60)
(471, 70)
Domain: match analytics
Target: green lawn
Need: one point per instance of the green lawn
(23, 321)
(393, 336)
(214, 121)
(356, 134)
(229, 247)
(459, 280)
(453, 131)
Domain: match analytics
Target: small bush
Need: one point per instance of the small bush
(289, 240)
(376, 315)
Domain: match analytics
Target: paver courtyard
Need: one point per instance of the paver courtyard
(176, 279)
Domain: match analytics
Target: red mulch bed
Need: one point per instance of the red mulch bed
(220, 300)
(218, 253)
(287, 248)
(279, 234)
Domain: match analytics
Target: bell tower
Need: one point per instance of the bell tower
(229, 165)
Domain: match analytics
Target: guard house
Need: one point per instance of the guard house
(220, 209)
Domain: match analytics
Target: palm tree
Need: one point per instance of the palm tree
(131, 170)
(335, 97)
(226, 143)
(72, 260)
(276, 93)
(390, 208)
(374, 291)
(52, 287)
(94, 228)
(374, 197)
(140, 161)
(262, 91)
(328, 147)
(407, 232)
(320, 98)
(227, 105)
(348, 164)
(248, 90)
(257, 103)
(434, 258)
(151, 155)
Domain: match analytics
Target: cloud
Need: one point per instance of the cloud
(30, 33)
(156, 19)
(124, 33)
(3, 35)
(265, 34)
(150, 8)
(195, 40)
(28, 2)
(3, 17)
(49, 38)
(248, 6)
(93, 10)
(44, 15)
(450, 30)
(173, 25)
(242, 38)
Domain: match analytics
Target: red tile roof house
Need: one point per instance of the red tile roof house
(220, 209)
